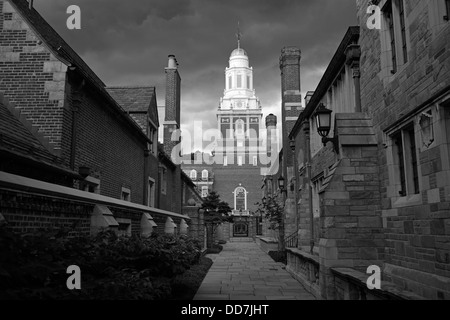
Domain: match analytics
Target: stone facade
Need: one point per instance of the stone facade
(416, 215)
(380, 188)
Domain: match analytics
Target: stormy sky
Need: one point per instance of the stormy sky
(127, 43)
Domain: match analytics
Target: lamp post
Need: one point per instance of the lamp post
(322, 117)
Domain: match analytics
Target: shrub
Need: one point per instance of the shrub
(33, 266)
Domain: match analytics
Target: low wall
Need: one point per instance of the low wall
(27, 205)
(267, 244)
(305, 268)
(350, 284)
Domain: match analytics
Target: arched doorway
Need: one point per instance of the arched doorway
(240, 229)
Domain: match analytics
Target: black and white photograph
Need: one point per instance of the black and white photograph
(213, 158)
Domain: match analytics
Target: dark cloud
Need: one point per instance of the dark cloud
(127, 42)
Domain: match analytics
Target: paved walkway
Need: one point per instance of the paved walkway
(242, 271)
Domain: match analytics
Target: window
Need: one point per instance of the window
(240, 127)
(205, 191)
(255, 160)
(126, 194)
(193, 175)
(151, 193)
(239, 160)
(153, 136)
(239, 81)
(240, 199)
(395, 22)
(91, 185)
(205, 175)
(405, 157)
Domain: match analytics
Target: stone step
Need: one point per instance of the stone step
(241, 240)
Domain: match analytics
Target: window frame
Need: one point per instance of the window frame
(205, 177)
(127, 192)
(193, 176)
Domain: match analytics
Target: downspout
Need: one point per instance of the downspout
(76, 102)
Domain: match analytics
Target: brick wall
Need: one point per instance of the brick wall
(417, 232)
(30, 75)
(27, 212)
(107, 146)
(227, 179)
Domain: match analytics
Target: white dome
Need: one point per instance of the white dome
(239, 52)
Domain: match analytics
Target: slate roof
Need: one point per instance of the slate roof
(17, 140)
(132, 99)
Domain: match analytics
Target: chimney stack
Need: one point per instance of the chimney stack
(291, 98)
(172, 112)
(271, 126)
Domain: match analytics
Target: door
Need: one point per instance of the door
(240, 229)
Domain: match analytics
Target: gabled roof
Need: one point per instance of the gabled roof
(68, 56)
(133, 99)
(53, 40)
(17, 141)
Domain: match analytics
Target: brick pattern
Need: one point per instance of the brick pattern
(31, 76)
(27, 213)
(109, 149)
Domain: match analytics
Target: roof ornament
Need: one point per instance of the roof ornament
(239, 35)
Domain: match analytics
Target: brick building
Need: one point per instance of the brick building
(375, 191)
(236, 169)
(75, 133)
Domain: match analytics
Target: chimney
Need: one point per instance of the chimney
(172, 112)
(271, 126)
(291, 98)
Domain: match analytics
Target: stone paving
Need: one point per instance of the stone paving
(242, 271)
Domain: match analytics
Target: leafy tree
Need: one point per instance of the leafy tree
(273, 209)
(216, 212)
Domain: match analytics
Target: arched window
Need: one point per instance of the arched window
(240, 127)
(193, 175)
(205, 175)
(240, 199)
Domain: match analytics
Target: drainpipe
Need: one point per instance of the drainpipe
(306, 130)
(76, 101)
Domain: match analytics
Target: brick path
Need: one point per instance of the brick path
(242, 271)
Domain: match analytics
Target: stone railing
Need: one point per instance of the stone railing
(351, 284)
(305, 268)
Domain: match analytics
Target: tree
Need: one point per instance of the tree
(216, 212)
(272, 209)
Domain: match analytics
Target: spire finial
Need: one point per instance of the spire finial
(239, 35)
